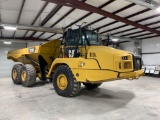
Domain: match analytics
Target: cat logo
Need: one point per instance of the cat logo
(71, 53)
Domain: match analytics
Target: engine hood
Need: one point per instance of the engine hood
(106, 56)
(108, 50)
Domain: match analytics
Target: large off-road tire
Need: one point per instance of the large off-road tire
(16, 76)
(28, 75)
(91, 86)
(65, 83)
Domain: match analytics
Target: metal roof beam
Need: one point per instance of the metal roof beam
(143, 19)
(39, 13)
(143, 11)
(120, 10)
(133, 33)
(49, 16)
(151, 37)
(19, 16)
(87, 7)
(50, 36)
(141, 35)
(105, 4)
(100, 7)
(138, 31)
(1, 33)
(22, 39)
(52, 13)
(60, 19)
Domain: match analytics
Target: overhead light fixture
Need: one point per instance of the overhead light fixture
(10, 28)
(115, 39)
(158, 9)
(8, 43)
(152, 4)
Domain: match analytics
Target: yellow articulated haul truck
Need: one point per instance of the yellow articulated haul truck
(78, 58)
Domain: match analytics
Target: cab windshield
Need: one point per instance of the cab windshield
(92, 37)
(83, 37)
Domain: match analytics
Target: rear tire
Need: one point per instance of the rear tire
(16, 76)
(28, 75)
(65, 83)
(91, 86)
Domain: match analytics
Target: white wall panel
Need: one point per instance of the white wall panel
(5, 64)
(151, 59)
(151, 46)
(128, 46)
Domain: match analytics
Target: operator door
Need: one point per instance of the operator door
(71, 47)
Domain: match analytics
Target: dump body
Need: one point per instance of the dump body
(47, 50)
(37, 55)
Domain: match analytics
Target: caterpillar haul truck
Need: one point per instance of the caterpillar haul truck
(79, 58)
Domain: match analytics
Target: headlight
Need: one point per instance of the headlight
(125, 58)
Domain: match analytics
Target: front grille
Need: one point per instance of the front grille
(125, 65)
(137, 62)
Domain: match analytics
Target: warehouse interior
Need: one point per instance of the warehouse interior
(130, 25)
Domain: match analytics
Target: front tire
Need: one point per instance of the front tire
(16, 76)
(91, 86)
(28, 75)
(64, 82)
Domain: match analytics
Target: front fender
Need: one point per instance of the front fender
(75, 63)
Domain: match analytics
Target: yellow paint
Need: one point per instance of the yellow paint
(23, 75)
(95, 76)
(14, 74)
(96, 63)
(62, 82)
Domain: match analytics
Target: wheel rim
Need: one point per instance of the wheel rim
(14, 74)
(62, 82)
(23, 75)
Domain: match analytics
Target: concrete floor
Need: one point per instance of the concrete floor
(118, 100)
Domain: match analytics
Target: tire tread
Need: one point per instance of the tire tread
(18, 69)
(31, 75)
(76, 85)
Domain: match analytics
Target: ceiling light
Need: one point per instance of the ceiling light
(68, 3)
(8, 43)
(158, 9)
(10, 28)
(115, 39)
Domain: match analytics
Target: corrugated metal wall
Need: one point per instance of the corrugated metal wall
(5, 64)
(151, 50)
(131, 46)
